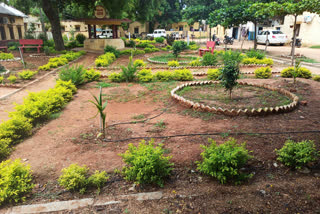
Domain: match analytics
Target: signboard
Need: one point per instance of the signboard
(100, 12)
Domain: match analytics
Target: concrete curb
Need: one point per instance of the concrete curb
(237, 112)
(76, 204)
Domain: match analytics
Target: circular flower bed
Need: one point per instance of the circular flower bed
(236, 111)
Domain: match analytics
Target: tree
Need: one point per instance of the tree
(291, 7)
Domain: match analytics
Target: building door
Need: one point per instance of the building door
(235, 32)
(11, 32)
(3, 33)
(136, 30)
(19, 32)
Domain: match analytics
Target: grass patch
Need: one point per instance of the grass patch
(55, 116)
(315, 46)
(138, 117)
(106, 85)
(306, 59)
(170, 57)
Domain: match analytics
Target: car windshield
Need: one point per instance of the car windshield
(277, 32)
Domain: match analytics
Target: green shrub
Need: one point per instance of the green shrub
(315, 78)
(66, 84)
(5, 149)
(266, 61)
(80, 38)
(27, 74)
(132, 51)
(15, 181)
(58, 60)
(302, 72)
(145, 75)
(15, 128)
(1, 79)
(130, 43)
(224, 161)
(74, 73)
(183, 75)
(74, 178)
(255, 61)
(139, 63)
(214, 74)
(105, 59)
(145, 45)
(146, 164)
(297, 155)
(256, 54)
(129, 72)
(195, 62)
(178, 47)
(116, 77)
(111, 49)
(98, 179)
(164, 76)
(194, 47)
(6, 56)
(12, 46)
(159, 39)
(91, 75)
(209, 59)
(173, 63)
(263, 73)
(12, 79)
(45, 67)
(151, 50)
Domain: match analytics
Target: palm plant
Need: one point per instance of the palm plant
(129, 72)
(98, 102)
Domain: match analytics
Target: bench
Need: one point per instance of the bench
(211, 45)
(30, 43)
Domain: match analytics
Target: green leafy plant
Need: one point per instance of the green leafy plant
(151, 50)
(98, 102)
(255, 61)
(111, 49)
(132, 52)
(80, 38)
(27, 74)
(5, 149)
(301, 72)
(139, 63)
(145, 75)
(183, 75)
(315, 78)
(214, 74)
(256, 54)
(116, 77)
(129, 72)
(6, 56)
(74, 73)
(146, 164)
(173, 63)
(196, 62)
(1, 79)
(297, 154)
(105, 59)
(98, 179)
(224, 161)
(164, 76)
(15, 129)
(74, 178)
(209, 59)
(263, 73)
(178, 47)
(12, 79)
(194, 47)
(15, 181)
(159, 39)
(91, 75)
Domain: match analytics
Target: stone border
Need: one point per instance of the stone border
(38, 56)
(244, 72)
(10, 60)
(236, 112)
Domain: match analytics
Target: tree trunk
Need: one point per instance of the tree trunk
(42, 23)
(294, 39)
(255, 35)
(51, 10)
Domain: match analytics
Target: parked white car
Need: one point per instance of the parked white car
(272, 37)
(157, 33)
(106, 34)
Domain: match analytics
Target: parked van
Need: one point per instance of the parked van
(106, 34)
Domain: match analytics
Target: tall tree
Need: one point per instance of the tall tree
(290, 7)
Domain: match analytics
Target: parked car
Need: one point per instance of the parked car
(106, 34)
(158, 33)
(272, 37)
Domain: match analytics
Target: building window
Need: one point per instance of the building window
(11, 32)
(19, 32)
(12, 20)
(3, 33)
(278, 28)
(136, 30)
(180, 28)
(77, 27)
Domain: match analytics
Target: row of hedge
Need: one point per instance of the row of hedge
(147, 164)
(61, 60)
(145, 75)
(6, 56)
